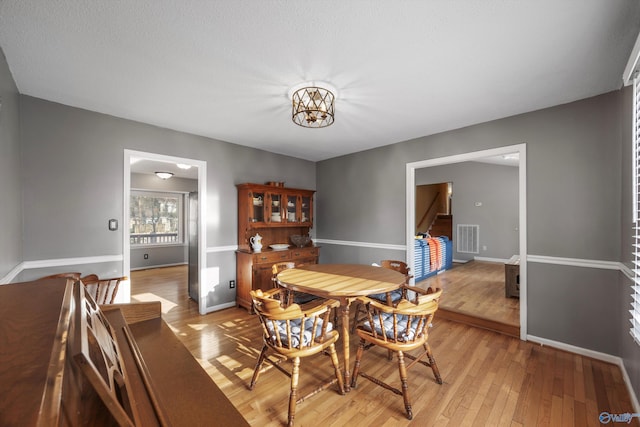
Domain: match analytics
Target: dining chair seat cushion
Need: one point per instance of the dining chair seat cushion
(395, 296)
(406, 331)
(303, 298)
(296, 331)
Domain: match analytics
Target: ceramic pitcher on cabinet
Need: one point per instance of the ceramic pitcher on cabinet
(256, 242)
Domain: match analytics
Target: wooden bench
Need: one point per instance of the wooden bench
(45, 381)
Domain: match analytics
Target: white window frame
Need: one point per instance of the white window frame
(635, 288)
(181, 216)
(631, 76)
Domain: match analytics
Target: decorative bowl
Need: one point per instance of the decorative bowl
(279, 246)
(300, 240)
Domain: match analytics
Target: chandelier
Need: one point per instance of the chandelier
(313, 107)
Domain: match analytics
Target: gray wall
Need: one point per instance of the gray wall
(161, 255)
(496, 187)
(10, 172)
(73, 170)
(573, 199)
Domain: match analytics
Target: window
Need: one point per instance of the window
(156, 218)
(635, 302)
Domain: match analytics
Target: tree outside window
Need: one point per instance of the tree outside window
(155, 218)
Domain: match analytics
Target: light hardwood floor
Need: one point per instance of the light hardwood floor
(489, 379)
(474, 292)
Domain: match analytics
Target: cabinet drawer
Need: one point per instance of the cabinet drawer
(298, 253)
(271, 257)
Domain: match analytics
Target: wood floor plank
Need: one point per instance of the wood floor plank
(476, 288)
(489, 378)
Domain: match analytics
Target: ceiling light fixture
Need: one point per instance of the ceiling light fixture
(312, 106)
(183, 166)
(164, 175)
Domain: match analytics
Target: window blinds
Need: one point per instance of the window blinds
(635, 295)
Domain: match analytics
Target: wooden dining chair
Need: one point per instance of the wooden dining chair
(103, 291)
(390, 298)
(89, 278)
(399, 329)
(289, 296)
(67, 275)
(294, 334)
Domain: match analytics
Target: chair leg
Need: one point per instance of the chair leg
(256, 372)
(336, 367)
(358, 307)
(356, 366)
(293, 396)
(405, 386)
(432, 362)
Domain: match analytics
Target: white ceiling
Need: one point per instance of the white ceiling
(403, 69)
(150, 167)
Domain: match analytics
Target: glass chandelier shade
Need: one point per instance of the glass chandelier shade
(313, 107)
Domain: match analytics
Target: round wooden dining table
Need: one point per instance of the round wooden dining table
(342, 282)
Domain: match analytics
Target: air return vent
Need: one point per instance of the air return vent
(468, 238)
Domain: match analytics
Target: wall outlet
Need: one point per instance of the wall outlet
(232, 284)
(146, 256)
(484, 247)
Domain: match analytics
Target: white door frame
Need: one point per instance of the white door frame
(521, 149)
(202, 214)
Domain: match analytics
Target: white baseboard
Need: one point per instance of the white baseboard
(221, 306)
(149, 267)
(498, 260)
(12, 274)
(615, 360)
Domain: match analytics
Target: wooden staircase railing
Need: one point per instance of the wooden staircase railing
(430, 213)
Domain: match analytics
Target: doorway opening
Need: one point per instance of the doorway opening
(434, 209)
(142, 166)
(520, 150)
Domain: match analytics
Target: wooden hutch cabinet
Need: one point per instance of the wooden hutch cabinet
(276, 213)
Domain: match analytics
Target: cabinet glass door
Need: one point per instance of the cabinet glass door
(276, 207)
(305, 208)
(257, 210)
(292, 209)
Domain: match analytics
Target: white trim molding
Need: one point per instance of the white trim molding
(574, 349)
(149, 267)
(521, 149)
(60, 262)
(362, 244)
(212, 308)
(575, 262)
(482, 258)
(12, 274)
(228, 248)
(614, 360)
(627, 271)
(633, 63)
